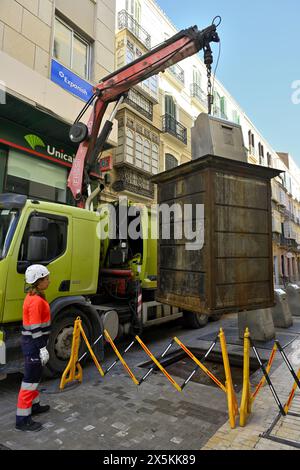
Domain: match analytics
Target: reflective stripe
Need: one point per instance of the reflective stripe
(29, 333)
(23, 411)
(37, 325)
(36, 335)
(29, 386)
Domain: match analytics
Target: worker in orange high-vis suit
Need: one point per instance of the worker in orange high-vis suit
(35, 333)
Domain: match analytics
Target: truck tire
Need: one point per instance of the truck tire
(194, 320)
(60, 340)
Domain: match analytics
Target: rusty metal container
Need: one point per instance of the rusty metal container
(234, 269)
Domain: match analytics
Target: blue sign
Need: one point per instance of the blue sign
(70, 82)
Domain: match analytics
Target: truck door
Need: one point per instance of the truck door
(45, 240)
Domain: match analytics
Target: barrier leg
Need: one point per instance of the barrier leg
(133, 378)
(73, 368)
(292, 394)
(245, 408)
(231, 396)
(276, 398)
(91, 351)
(268, 368)
(163, 370)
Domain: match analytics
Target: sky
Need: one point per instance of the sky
(260, 60)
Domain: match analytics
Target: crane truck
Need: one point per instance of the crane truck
(107, 281)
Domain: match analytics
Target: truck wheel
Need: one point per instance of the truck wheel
(60, 340)
(194, 320)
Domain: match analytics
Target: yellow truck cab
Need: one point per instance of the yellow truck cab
(84, 273)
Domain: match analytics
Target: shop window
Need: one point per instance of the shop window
(35, 178)
(71, 49)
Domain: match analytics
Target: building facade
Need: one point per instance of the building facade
(51, 53)
(161, 112)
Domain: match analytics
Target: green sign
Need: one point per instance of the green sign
(16, 136)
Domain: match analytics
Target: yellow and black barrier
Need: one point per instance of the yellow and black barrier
(248, 397)
(228, 387)
(73, 370)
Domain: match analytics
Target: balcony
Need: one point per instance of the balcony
(173, 127)
(286, 242)
(126, 21)
(198, 93)
(140, 104)
(133, 180)
(177, 72)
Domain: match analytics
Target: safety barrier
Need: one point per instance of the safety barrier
(73, 370)
(248, 398)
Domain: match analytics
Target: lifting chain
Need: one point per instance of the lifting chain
(208, 60)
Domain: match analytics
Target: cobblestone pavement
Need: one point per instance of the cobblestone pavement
(264, 411)
(112, 413)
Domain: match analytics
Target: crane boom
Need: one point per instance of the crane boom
(114, 88)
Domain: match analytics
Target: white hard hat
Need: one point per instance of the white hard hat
(35, 272)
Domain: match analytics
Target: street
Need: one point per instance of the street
(112, 413)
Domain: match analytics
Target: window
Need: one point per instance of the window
(155, 159)
(141, 152)
(217, 104)
(56, 236)
(35, 178)
(170, 106)
(197, 78)
(261, 153)
(134, 9)
(8, 223)
(269, 158)
(150, 85)
(71, 49)
(129, 146)
(140, 103)
(223, 105)
(147, 155)
(170, 162)
(235, 117)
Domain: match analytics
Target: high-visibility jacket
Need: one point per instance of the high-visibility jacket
(36, 323)
(35, 332)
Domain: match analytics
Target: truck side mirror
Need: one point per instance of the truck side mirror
(38, 224)
(37, 248)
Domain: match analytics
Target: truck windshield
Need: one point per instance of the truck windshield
(8, 222)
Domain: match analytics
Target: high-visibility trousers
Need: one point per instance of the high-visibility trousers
(29, 395)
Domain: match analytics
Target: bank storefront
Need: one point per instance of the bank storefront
(32, 161)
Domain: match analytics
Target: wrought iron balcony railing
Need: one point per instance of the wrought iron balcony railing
(174, 128)
(178, 72)
(127, 21)
(197, 92)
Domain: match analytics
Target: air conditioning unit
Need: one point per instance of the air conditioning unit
(214, 136)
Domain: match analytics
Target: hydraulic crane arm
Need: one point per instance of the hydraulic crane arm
(114, 88)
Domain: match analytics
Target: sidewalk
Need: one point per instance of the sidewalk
(114, 414)
(264, 411)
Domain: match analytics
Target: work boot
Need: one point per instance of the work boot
(29, 426)
(38, 409)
